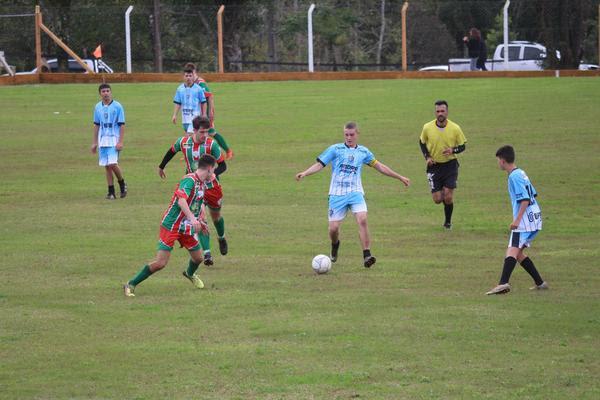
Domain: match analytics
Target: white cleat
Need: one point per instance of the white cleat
(500, 289)
(543, 286)
(128, 290)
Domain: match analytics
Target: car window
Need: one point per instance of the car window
(533, 53)
(513, 52)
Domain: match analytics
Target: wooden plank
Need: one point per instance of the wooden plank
(66, 48)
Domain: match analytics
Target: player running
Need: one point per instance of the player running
(527, 222)
(193, 147)
(346, 191)
(182, 219)
(190, 99)
(210, 110)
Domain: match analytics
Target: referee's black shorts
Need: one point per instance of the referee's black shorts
(443, 175)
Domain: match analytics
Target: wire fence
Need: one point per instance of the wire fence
(271, 35)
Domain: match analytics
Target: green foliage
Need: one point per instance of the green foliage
(416, 326)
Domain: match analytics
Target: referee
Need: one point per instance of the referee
(441, 140)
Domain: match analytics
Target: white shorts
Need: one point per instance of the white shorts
(108, 156)
(339, 205)
(521, 239)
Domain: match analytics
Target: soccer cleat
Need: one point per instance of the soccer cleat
(229, 154)
(128, 290)
(447, 225)
(334, 251)
(500, 289)
(223, 248)
(194, 279)
(110, 196)
(369, 261)
(542, 286)
(124, 190)
(208, 260)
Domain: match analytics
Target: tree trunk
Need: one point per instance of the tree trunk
(158, 59)
(381, 33)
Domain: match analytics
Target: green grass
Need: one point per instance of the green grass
(416, 326)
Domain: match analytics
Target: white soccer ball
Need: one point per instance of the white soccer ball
(321, 264)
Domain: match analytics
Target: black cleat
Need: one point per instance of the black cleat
(369, 261)
(208, 260)
(124, 190)
(223, 246)
(447, 225)
(334, 251)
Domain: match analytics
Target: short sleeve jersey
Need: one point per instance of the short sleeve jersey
(192, 152)
(519, 189)
(189, 98)
(437, 139)
(191, 189)
(346, 166)
(109, 118)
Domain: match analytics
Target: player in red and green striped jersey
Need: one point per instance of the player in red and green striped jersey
(192, 148)
(182, 219)
(210, 111)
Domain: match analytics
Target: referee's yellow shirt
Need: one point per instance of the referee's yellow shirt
(437, 139)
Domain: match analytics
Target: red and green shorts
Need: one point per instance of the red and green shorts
(213, 197)
(167, 238)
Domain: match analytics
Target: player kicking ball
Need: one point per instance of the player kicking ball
(527, 222)
(181, 221)
(346, 191)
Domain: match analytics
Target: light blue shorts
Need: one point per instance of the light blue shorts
(187, 128)
(108, 156)
(521, 239)
(339, 205)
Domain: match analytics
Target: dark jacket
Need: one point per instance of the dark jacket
(474, 48)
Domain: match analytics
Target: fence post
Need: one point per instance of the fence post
(404, 49)
(220, 37)
(38, 40)
(506, 34)
(128, 39)
(311, 64)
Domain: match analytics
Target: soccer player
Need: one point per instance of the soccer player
(441, 140)
(192, 148)
(182, 219)
(346, 191)
(527, 222)
(211, 112)
(109, 130)
(190, 99)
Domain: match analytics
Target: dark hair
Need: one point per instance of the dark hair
(441, 103)
(103, 86)
(201, 122)
(506, 153)
(206, 160)
(475, 33)
(189, 68)
(351, 125)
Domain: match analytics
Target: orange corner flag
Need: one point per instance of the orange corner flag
(98, 52)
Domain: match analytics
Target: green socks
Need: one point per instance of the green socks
(141, 276)
(204, 241)
(220, 225)
(192, 268)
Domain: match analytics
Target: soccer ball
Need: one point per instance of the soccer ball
(321, 264)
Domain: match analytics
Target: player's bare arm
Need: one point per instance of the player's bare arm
(95, 140)
(189, 214)
(522, 207)
(175, 112)
(121, 135)
(385, 170)
(313, 169)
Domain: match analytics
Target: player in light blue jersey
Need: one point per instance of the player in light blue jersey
(527, 222)
(346, 191)
(190, 99)
(109, 130)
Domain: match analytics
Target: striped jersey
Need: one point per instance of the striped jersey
(346, 166)
(109, 118)
(192, 190)
(192, 152)
(189, 98)
(519, 189)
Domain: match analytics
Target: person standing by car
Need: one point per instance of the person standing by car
(473, 42)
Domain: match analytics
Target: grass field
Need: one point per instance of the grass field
(416, 326)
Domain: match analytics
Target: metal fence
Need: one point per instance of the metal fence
(272, 35)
